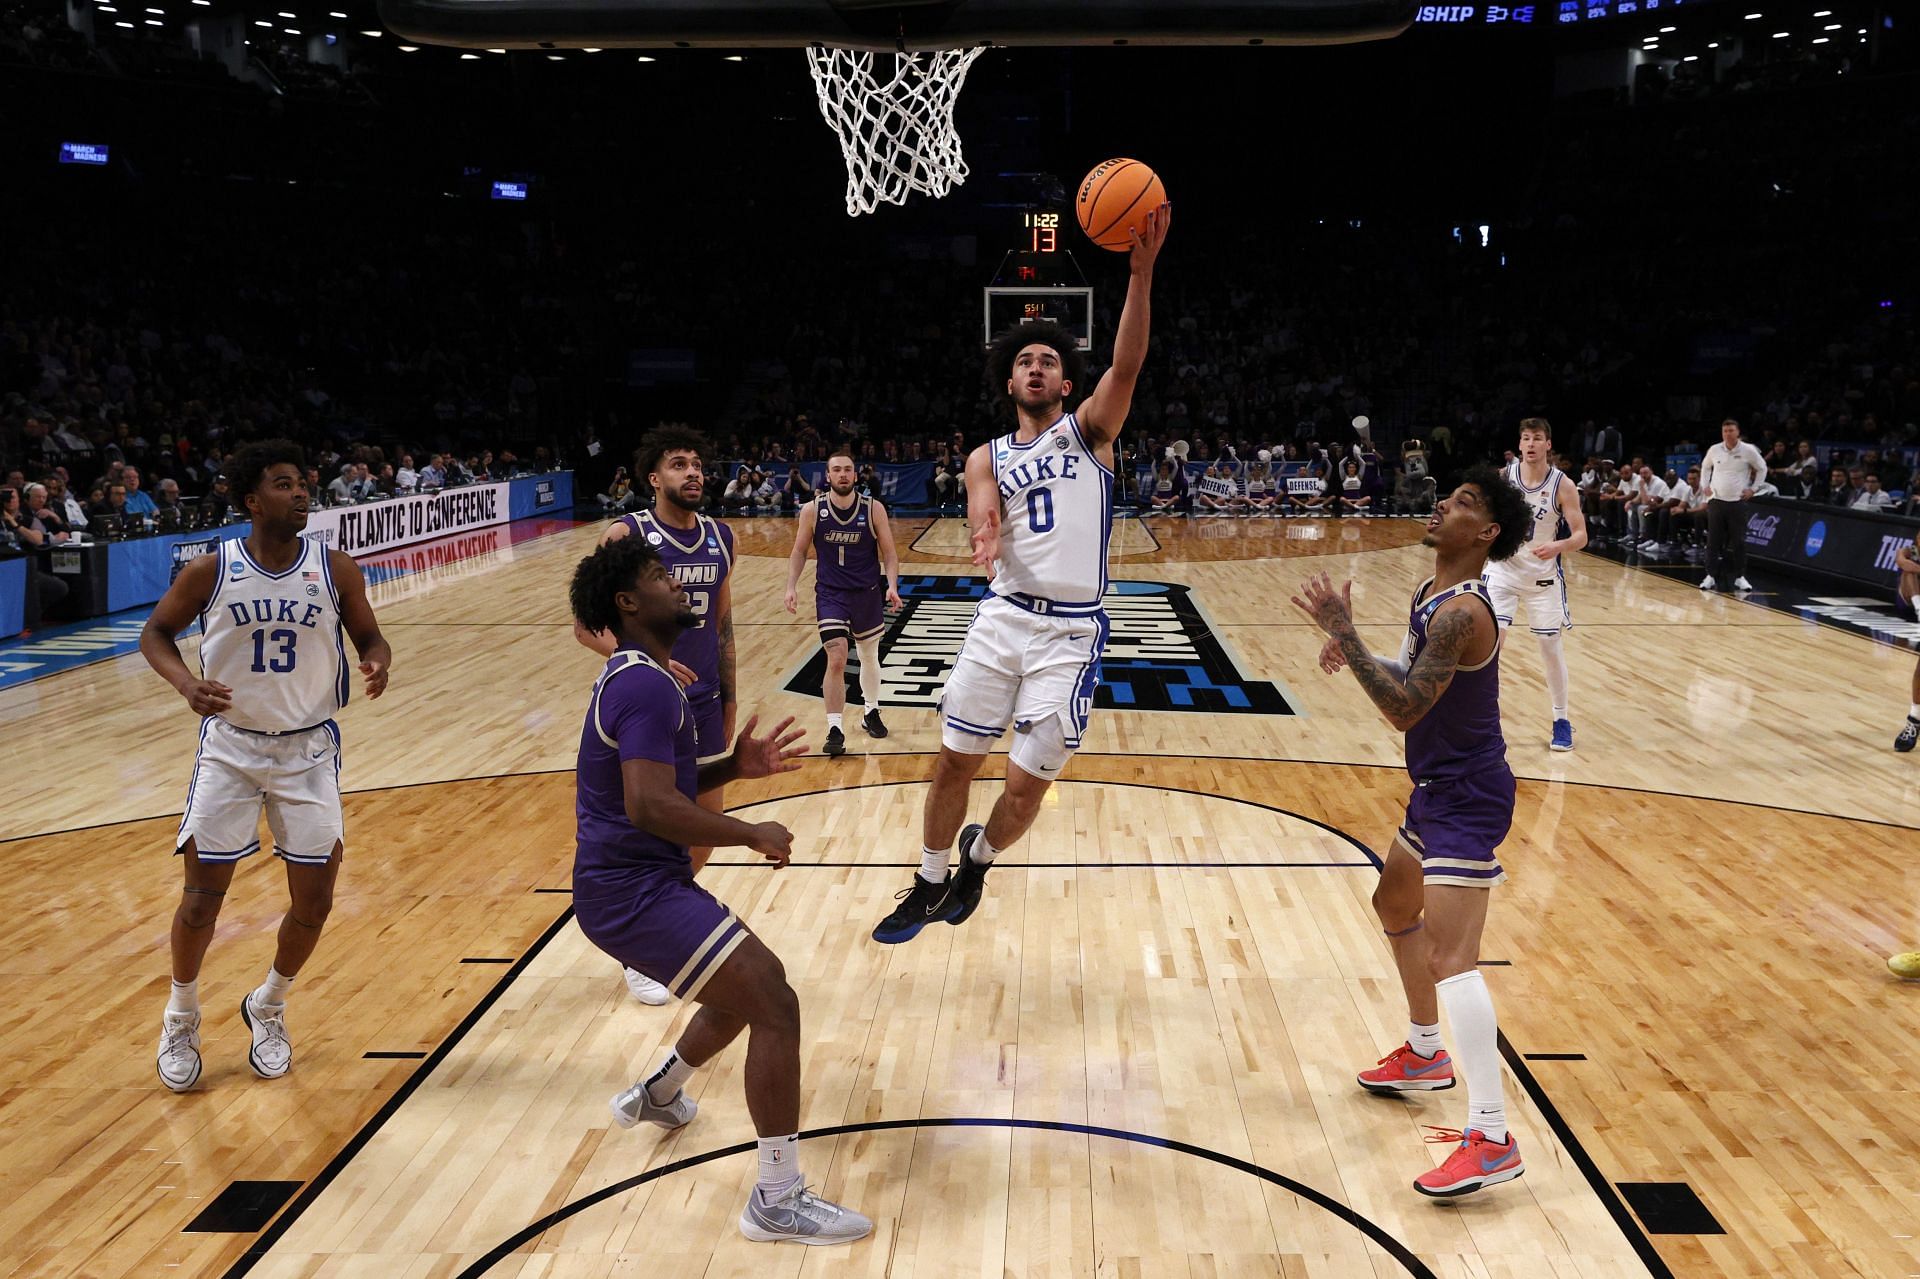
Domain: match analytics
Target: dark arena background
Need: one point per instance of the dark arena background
(467, 254)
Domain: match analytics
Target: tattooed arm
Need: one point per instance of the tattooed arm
(1404, 700)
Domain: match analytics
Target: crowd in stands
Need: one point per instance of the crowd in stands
(1772, 282)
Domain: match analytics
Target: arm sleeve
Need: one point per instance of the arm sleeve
(641, 710)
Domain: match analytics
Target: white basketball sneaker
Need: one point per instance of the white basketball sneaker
(646, 989)
(800, 1216)
(179, 1057)
(272, 1051)
(633, 1105)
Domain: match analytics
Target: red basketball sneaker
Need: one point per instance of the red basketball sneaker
(1404, 1070)
(1474, 1165)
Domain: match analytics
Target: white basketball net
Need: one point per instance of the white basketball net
(894, 115)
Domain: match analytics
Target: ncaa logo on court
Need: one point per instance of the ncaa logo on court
(1816, 538)
(1161, 655)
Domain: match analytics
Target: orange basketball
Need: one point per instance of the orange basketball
(1114, 201)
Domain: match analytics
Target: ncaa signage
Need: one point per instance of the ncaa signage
(1816, 538)
(184, 553)
(1161, 654)
(542, 493)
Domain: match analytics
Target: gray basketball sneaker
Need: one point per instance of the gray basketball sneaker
(633, 1105)
(800, 1216)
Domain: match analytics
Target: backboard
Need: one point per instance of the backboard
(1071, 308)
(889, 24)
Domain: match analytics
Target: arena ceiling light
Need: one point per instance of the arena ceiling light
(1665, 30)
(555, 57)
(268, 25)
(290, 31)
(155, 22)
(468, 57)
(1831, 26)
(1752, 16)
(1820, 39)
(372, 35)
(645, 58)
(734, 57)
(127, 25)
(333, 14)
(1713, 44)
(1691, 57)
(1781, 35)
(1823, 13)
(409, 48)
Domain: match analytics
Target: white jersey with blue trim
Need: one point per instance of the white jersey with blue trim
(275, 640)
(1056, 516)
(1543, 500)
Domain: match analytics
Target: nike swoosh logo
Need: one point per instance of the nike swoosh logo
(1427, 1069)
(1493, 1165)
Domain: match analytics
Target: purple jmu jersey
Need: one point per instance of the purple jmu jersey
(845, 545)
(638, 712)
(1460, 733)
(699, 559)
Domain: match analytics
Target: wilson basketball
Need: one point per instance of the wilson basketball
(1114, 201)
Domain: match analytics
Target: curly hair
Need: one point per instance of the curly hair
(1011, 341)
(664, 439)
(1506, 507)
(611, 569)
(250, 463)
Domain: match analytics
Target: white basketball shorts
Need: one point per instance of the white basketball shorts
(1530, 590)
(294, 776)
(1031, 672)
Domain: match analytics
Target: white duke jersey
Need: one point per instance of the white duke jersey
(275, 640)
(1056, 517)
(1543, 500)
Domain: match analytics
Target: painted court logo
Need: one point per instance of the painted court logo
(1161, 653)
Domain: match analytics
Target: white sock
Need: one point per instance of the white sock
(982, 853)
(1913, 711)
(833, 719)
(1424, 1039)
(1553, 659)
(870, 672)
(185, 997)
(1476, 1050)
(273, 990)
(779, 1165)
(933, 864)
(664, 1083)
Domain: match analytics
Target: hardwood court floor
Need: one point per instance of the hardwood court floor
(1699, 915)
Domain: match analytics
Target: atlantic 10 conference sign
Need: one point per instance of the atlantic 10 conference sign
(379, 526)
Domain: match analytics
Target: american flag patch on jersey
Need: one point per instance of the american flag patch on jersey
(309, 577)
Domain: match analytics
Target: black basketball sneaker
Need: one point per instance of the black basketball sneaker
(872, 723)
(970, 880)
(924, 903)
(836, 742)
(1909, 734)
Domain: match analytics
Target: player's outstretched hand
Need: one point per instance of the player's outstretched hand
(893, 598)
(1333, 659)
(207, 696)
(779, 751)
(792, 600)
(772, 841)
(986, 543)
(375, 672)
(1146, 243)
(681, 672)
(1327, 607)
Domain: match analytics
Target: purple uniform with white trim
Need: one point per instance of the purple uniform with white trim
(849, 590)
(1462, 802)
(633, 892)
(699, 559)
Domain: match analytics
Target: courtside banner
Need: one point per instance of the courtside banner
(380, 526)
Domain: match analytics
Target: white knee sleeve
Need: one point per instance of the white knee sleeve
(1553, 660)
(870, 672)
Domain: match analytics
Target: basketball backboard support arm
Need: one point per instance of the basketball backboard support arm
(889, 24)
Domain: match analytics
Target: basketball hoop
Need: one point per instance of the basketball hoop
(893, 113)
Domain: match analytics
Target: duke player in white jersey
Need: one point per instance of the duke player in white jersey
(1040, 501)
(273, 671)
(1532, 586)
